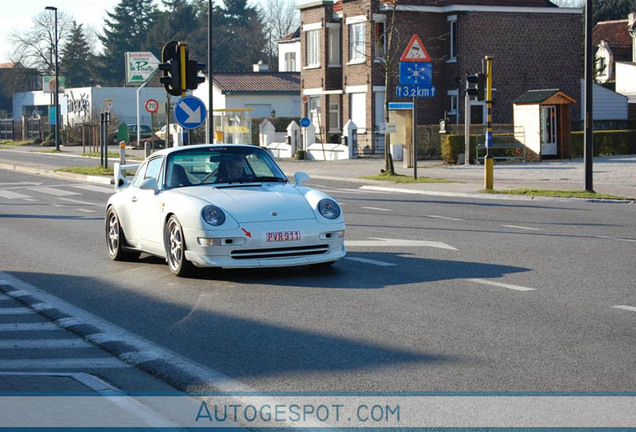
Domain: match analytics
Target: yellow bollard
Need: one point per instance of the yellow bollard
(489, 164)
(122, 152)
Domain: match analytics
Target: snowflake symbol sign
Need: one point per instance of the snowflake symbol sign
(416, 73)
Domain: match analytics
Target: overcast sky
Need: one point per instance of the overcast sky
(18, 14)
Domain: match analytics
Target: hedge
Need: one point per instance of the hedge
(606, 143)
(454, 144)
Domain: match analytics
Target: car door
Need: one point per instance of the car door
(147, 203)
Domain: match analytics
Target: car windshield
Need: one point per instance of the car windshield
(221, 166)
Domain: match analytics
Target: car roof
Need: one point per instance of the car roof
(204, 146)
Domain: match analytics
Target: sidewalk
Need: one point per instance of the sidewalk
(614, 175)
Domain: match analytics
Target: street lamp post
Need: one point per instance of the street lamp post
(57, 84)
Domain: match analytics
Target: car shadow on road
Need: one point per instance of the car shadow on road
(365, 270)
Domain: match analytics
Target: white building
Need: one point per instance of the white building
(268, 94)
(85, 104)
(289, 52)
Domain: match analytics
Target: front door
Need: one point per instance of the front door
(548, 130)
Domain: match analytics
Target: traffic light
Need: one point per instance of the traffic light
(476, 85)
(192, 74)
(171, 68)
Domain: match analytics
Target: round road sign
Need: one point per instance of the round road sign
(152, 106)
(305, 122)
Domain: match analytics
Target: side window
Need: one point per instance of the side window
(139, 176)
(154, 169)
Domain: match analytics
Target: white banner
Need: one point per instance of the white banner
(140, 66)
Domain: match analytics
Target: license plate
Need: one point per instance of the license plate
(283, 236)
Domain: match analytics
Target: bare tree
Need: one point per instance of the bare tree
(35, 47)
(280, 18)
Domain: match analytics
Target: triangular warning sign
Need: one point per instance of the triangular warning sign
(415, 51)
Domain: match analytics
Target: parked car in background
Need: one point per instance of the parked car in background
(161, 133)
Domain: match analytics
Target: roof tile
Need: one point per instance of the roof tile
(258, 82)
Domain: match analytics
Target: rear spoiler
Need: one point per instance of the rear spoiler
(121, 181)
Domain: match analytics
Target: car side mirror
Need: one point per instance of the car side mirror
(301, 177)
(149, 184)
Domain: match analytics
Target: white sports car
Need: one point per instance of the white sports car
(221, 206)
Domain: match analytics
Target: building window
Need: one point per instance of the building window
(452, 100)
(312, 43)
(379, 109)
(290, 62)
(334, 46)
(314, 111)
(356, 43)
(358, 110)
(380, 40)
(452, 23)
(334, 114)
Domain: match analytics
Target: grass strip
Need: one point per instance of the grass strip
(399, 178)
(558, 194)
(96, 171)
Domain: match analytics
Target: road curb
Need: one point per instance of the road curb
(56, 174)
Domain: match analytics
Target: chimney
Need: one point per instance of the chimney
(260, 67)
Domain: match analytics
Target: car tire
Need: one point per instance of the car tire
(115, 239)
(175, 245)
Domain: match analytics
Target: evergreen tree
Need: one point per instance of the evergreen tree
(77, 61)
(125, 29)
(238, 38)
(175, 23)
(608, 10)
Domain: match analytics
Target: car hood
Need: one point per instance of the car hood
(257, 203)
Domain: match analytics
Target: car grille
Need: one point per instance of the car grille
(288, 252)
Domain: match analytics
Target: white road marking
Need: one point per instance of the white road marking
(521, 227)
(384, 242)
(86, 210)
(94, 188)
(12, 195)
(64, 363)
(444, 217)
(616, 238)
(377, 208)
(74, 201)
(370, 261)
(625, 307)
(16, 311)
(44, 343)
(53, 191)
(501, 285)
(12, 327)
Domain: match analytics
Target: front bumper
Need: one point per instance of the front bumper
(249, 248)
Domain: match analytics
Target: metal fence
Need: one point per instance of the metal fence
(6, 129)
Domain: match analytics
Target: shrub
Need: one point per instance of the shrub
(301, 154)
(606, 143)
(454, 144)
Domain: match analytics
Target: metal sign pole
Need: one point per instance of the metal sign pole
(414, 139)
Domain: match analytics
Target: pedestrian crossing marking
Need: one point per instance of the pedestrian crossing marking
(12, 195)
(54, 192)
(94, 188)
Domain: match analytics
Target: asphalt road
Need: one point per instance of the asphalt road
(435, 294)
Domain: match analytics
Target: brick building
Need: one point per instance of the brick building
(534, 44)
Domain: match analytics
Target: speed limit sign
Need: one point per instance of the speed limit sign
(152, 106)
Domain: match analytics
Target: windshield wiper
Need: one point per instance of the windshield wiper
(266, 179)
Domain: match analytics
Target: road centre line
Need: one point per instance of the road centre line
(377, 208)
(501, 285)
(86, 210)
(44, 343)
(625, 307)
(370, 261)
(521, 227)
(615, 238)
(444, 217)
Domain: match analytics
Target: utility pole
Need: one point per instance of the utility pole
(489, 160)
(589, 121)
(56, 99)
(210, 89)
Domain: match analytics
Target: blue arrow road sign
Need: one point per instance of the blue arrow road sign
(416, 73)
(415, 91)
(190, 112)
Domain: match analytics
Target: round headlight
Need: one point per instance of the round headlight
(328, 208)
(213, 215)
